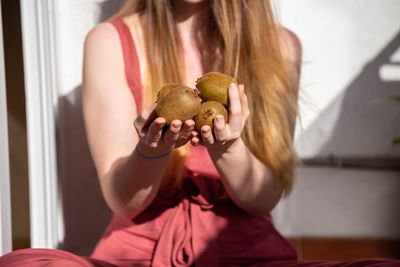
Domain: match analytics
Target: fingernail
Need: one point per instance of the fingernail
(234, 88)
(196, 142)
(160, 121)
(219, 118)
(176, 124)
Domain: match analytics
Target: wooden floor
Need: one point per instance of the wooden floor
(20, 243)
(345, 249)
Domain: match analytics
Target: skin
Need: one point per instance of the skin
(129, 182)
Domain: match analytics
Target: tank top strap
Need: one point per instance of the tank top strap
(131, 60)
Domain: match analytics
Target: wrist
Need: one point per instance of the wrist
(150, 153)
(227, 148)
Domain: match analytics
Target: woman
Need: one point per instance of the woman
(208, 201)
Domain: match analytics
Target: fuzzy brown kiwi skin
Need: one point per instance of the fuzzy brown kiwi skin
(180, 103)
(165, 89)
(213, 86)
(207, 113)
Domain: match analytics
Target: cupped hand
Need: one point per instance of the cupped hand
(152, 141)
(226, 134)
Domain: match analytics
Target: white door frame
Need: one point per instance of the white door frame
(40, 70)
(5, 203)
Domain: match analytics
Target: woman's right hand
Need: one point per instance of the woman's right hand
(152, 141)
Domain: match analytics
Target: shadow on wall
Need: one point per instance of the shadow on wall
(108, 8)
(361, 130)
(86, 214)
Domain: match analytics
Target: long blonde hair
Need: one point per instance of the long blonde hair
(247, 37)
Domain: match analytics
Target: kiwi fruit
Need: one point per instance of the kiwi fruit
(213, 86)
(207, 113)
(165, 89)
(180, 103)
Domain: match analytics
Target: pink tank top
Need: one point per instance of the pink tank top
(190, 226)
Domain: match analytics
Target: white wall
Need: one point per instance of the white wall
(328, 202)
(347, 49)
(350, 52)
(74, 20)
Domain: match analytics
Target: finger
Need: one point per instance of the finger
(185, 133)
(187, 129)
(195, 141)
(138, 128)
(220, 132)
(154, 132)
(207, 135)
(145, 118)
(247, 110)
(244, 104)
(139, 123)
(195, 138)
(235, 114)
(241, 97)
(194, 134)
(172, 134)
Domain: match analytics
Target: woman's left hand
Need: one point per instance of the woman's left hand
(226, 134)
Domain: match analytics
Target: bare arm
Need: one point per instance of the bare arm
(248, 181)
(129, 182)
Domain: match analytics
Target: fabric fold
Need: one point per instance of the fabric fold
(174, 247)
